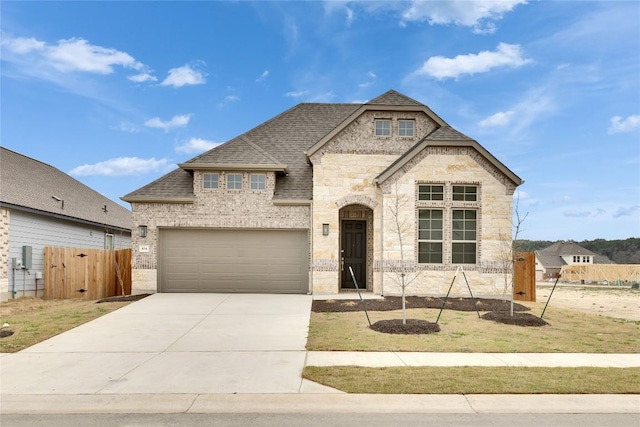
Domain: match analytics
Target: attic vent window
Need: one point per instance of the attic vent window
(383, 127)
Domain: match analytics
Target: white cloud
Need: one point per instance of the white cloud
(78, 55)
(122, 166)
(506, 55)
(196, 145)
(618, 125)
(175, 122)
(372, 76)
(183, 76)
(22, 45)
(478, 14)
(498, 119)
(296, 94)
(67, 56)
(263, 76)
(142, 77)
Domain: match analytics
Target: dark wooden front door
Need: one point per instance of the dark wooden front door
(354, 254)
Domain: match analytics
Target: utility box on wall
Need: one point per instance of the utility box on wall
(27, 257)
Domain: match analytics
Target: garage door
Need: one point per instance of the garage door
(205, 260)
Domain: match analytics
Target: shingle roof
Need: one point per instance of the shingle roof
(26, 183)
(551, 256)
(285, 140)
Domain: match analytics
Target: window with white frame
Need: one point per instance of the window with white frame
(210, 180)
(430, 233)
(576, 258)
(406, 127)
(258, 181)
(234, 181)
(585, 259)
(463, 236)
(383, 127)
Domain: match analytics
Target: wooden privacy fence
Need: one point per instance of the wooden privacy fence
(86, 273)
(524, 276)
(612, 273)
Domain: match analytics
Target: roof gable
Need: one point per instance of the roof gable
(389, 101)
(446, 136)
(33, 185)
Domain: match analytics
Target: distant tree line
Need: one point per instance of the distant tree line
(619, 251)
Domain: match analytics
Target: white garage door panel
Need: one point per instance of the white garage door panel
(193, 260)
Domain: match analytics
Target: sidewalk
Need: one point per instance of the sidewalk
(548, 360)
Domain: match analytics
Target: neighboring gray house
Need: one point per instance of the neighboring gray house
(550, 260)
(291, 204)
(42, 206)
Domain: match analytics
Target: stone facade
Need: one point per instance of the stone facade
(345, 170)
(212, 208)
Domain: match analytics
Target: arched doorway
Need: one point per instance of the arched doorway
(356, 247)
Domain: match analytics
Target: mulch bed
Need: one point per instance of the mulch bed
(496, 310)
(125, 298)
(412, 327)
(518, 319)
(395, 303)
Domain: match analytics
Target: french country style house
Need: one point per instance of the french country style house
(317, 192)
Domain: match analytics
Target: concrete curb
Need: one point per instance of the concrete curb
(316, 403)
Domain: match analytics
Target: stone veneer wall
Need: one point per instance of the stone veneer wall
(450, 166)
(4, 253)
(212, 208)
(341, 179)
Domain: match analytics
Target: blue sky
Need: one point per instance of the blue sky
(117, 93)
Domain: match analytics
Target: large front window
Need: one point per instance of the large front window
(463, 237)
(448, 218)
(430, 232)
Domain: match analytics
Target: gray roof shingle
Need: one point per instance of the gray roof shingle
(31, 184)
(282, 140)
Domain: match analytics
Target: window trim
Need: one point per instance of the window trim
(204, 180)
(431, 193)
(464, 193)
(229, 175)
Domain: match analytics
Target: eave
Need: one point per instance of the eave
(235, 167)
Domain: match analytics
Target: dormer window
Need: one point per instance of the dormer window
(406, 127)
(383, 127)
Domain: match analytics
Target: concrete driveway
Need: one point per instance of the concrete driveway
(172, 343)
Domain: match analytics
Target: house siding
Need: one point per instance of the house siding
(212, 208)
(39, 231)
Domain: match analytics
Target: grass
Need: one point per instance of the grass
(568, 332)
(477, 380)
(35, 319)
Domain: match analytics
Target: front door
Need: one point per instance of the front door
(354, 254)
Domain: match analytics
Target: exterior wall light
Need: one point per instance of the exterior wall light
(325, 229)
(142, 231)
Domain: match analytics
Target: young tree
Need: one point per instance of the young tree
(405, 271)
(509, 251)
